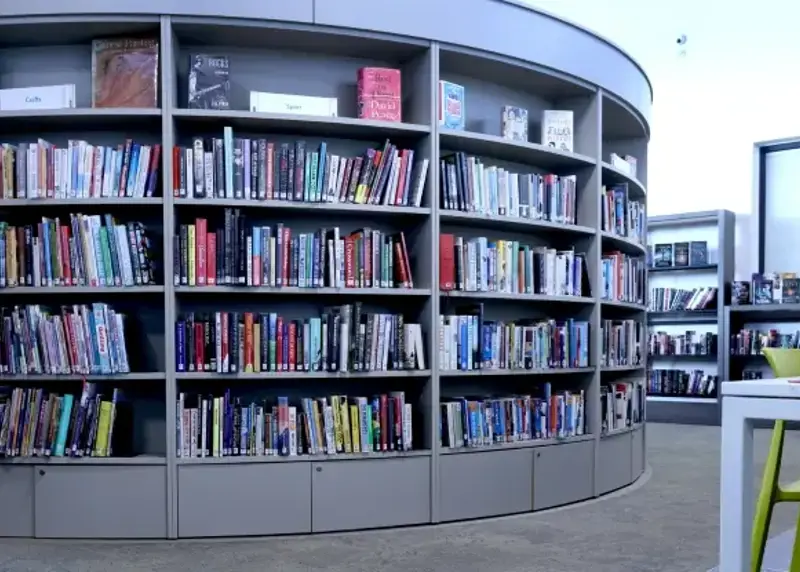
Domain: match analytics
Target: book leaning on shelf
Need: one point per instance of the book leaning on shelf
(621, 215)
(468, 342)
(256, 169)
(224, 426)
(471, 422)
(38, 423)
(470, 186)
(82, 339)
(80, 171)
(343, 339)
(623, 343)
(275, 256)
(88, 250)
(623, 277)
(682, 300)
(506, 266)
(621, 405)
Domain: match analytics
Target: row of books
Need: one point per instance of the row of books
(506, 266)
(679, 254)
(468, 185)
(256, 169)
(468, 342)
(681, 299)
(621, 405)
(751, 342)
(276, 256)
(695, 383)
(767, 288)
(37, 423)
(81, 339)
(88, 250)
(80, 170)
(471, 422)
(622, 216)
(623, 278)
(225, 426)
(623, 342)
(342, 339)
(690, 343)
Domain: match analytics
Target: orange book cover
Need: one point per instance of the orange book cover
(125, 73)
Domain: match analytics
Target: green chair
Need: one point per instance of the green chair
(784, 363)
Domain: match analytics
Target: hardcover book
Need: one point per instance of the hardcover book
(451, 105)
(515, 123)
(740, 293)
(663, 256)
(557, 129)
(681, 254)
(379, 94)
(125, 73)
(698, 253)
(209, 84)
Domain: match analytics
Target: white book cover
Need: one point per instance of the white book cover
(557, 129)
(290, 104)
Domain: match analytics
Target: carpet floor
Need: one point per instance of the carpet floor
(667, 524)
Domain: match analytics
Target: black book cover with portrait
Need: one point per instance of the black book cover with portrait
(209, 84)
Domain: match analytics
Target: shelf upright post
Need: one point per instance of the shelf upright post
(432, 413)
(167, 65)
(726, 225)
(590, 205)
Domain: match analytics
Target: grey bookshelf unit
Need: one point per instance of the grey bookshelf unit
(717, 229)
(314, 47)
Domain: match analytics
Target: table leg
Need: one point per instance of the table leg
(736, 486)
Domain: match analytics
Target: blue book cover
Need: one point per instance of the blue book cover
(451, 105)
(323, 150)
(63, 425)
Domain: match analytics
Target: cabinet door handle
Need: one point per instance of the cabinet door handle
(319, 469)
(41, 472)
(538, 454)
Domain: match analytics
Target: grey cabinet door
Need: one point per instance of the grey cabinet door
(563, 474)
(486, 483)
(16, 500)
(638, 455)
(100, 502)
(615, 462)
(244, 500)
(371, 493)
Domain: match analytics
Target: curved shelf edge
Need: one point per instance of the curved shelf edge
(529, 444)
(453, 216)
(627, 245)
(517, 297)
(618, 304)
(618, 176)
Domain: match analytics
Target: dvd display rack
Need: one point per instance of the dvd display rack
(535, 370)
(688, 356)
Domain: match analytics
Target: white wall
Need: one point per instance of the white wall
(738, 83)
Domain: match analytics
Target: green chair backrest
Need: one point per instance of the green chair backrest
(784, 362)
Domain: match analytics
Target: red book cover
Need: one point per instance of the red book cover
(292, 345)
(379, 94)
(286, 247)
(447, 265)
(248, 342)
(66, 266)
(349, 255)
(279, 345)
(176, 174)
(224, 350)
(399, 197)
(200, 244)
(401, 276)
(211, 258)
(384, 422)
(199, 346)
(270, 170)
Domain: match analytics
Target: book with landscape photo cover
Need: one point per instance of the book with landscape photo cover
(125, 73)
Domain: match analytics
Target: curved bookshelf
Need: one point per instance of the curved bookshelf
(321, 492)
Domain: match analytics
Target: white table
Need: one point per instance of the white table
(742, 402)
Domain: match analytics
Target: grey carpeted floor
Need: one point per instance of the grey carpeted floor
(667, 524)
